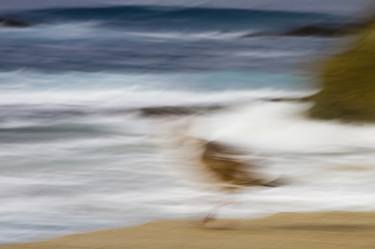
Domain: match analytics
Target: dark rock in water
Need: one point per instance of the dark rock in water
(321, 30)
(161, 111)
(318, 31)
(290, 99)
(220, 161)
(178, 110)
(13, 23)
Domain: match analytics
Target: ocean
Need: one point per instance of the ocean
(80, 153)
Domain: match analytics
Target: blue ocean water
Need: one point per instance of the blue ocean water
(150, 38)
(76, 155)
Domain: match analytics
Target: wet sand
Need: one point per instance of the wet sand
(339, 230)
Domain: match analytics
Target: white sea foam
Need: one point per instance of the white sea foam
(267, 54)
(130, 97)
(330, 165)
(94, 30)
(189, 36)
(283, 127)
(122, 169)
(126, 90)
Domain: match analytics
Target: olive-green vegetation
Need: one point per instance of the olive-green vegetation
(348, 82)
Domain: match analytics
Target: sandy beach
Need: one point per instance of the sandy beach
(291, 231)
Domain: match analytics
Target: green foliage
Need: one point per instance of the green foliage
(348, 83)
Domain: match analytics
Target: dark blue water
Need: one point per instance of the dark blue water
(158, 39)
(165, 18)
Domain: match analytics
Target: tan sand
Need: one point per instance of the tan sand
(283, 231)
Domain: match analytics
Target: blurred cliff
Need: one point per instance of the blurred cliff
(348, 81)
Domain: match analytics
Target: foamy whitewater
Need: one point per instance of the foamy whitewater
(78, 154)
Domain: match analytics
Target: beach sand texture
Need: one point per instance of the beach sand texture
(341, 230)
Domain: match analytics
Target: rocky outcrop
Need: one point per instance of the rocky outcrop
(347, 82)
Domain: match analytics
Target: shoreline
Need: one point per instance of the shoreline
(323, 230)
